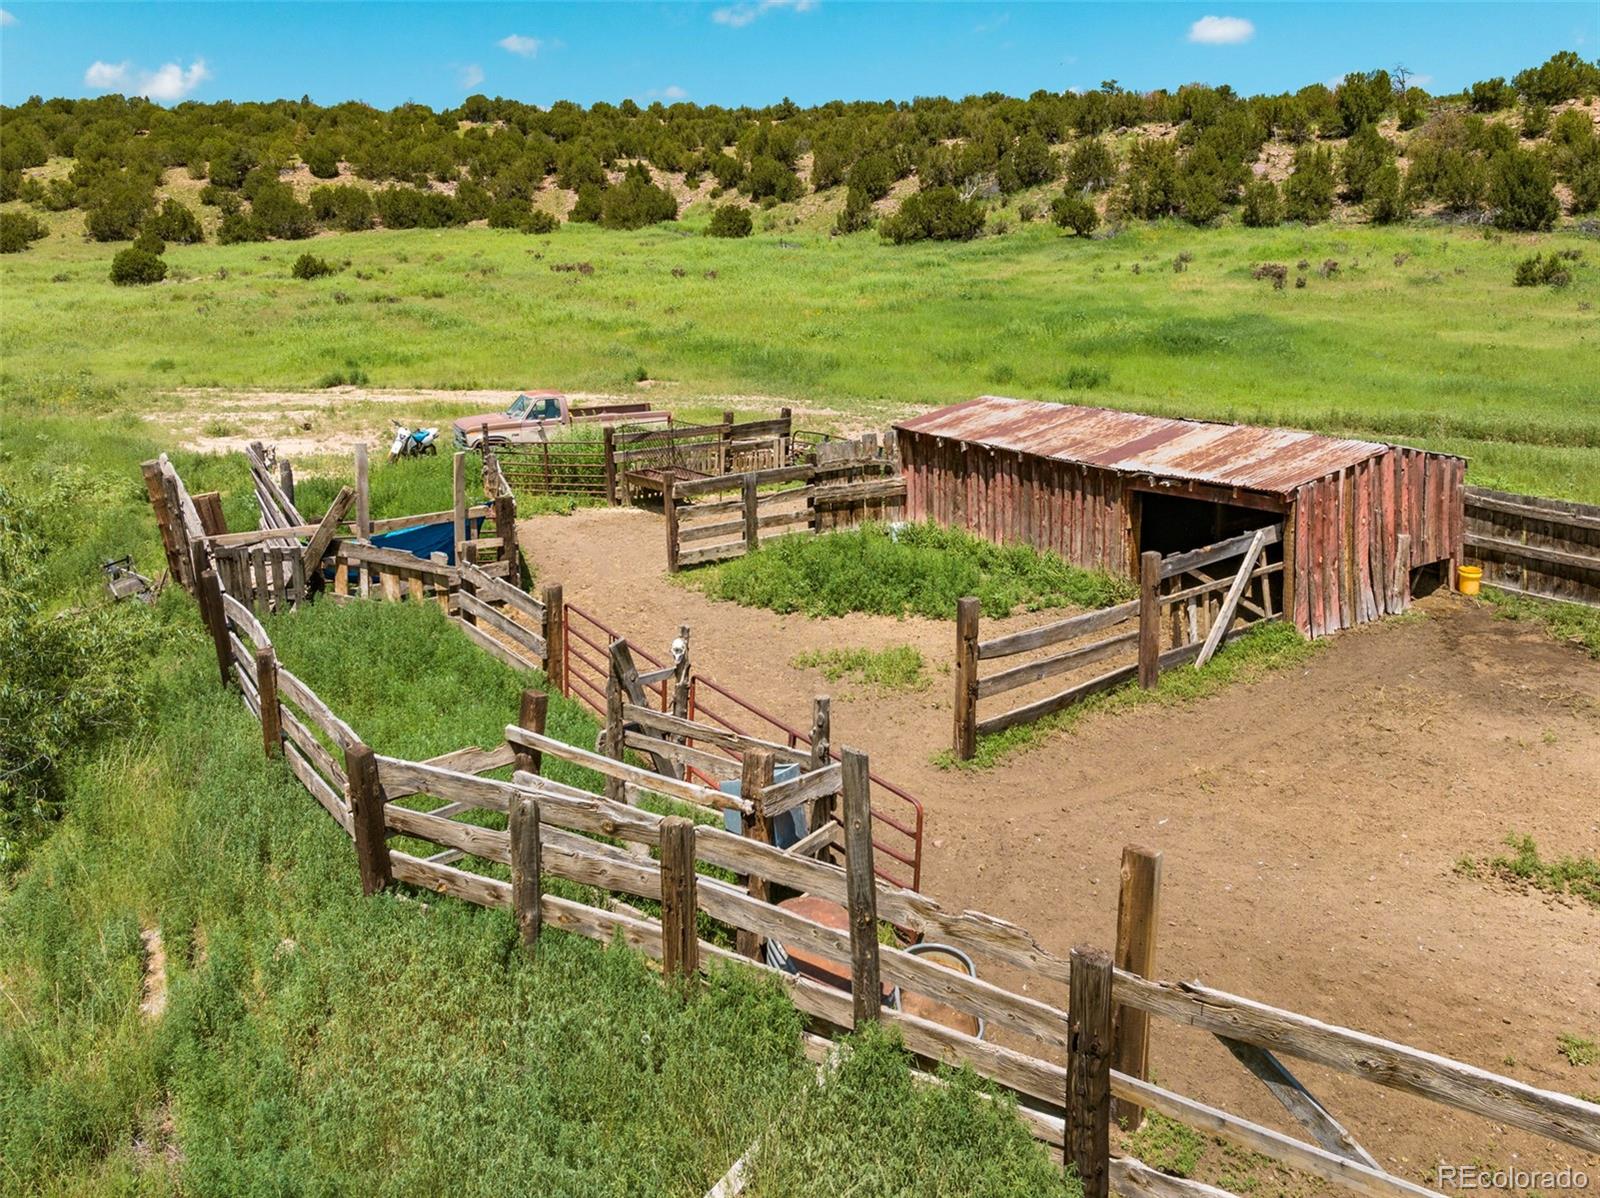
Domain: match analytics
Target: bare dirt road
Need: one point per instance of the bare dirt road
(1311, 822)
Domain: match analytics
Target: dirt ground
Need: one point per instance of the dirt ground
(333, 420)
(1311, 823)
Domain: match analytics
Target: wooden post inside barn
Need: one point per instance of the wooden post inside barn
(861, 891)
(1088, 1122)
(966, 729)
(267, 691)
(680, 939)
(1138, 916)
(1149, 618)
(366, 818)
(526, 866)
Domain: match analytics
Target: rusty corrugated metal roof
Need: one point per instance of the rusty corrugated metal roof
(1273, 460)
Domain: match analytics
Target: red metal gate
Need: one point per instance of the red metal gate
(586, 644)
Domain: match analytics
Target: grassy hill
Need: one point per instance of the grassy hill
(1413, 334)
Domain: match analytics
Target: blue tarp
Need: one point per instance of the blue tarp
(424, 540)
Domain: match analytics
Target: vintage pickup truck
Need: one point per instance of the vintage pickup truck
(537, 414)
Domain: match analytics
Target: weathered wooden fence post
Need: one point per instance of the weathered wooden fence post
(1138, 916)
(458, 483)
(682, 676)
(680, 939)
(724, 444)
(555, 638)
(822, 809)
(966, 730)
(1149, 618)
(186, 574)
(861, 891)
(608, 446)
(532, 715)
(505, 525)
(755, 777)
(363, 498)
(158, 504)
(1088, 1123)
(752, 520)
(286, 479)
(526, 863)
(669, 506)
(210, 595)
(366, 818)
(611, 736)
(267, 691)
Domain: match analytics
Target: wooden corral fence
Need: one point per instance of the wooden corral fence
(643, 461)
(812, 498)
(1188, 604)
(278, 568)
(1549, 548)
(1075, 1026)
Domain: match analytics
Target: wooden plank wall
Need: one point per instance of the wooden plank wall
(1535, 546)
(1347, 529)
(1346, 526)
(1078, 512)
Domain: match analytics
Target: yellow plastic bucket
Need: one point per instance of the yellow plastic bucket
(1469, 578)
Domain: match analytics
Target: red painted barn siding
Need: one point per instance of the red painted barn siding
(1346, 524)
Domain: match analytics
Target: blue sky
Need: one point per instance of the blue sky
(752, 51)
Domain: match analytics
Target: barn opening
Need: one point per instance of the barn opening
(1362, 521)
(1174, 523)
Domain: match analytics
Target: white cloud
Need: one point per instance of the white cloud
(471, 75)
(7, 18)
(104, 76)
(673, 92)
(172, 82)
(737, 16)
(516, 43)
(165, 84)
(1221, 31)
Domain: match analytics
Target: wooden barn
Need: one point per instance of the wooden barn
(1364, 524)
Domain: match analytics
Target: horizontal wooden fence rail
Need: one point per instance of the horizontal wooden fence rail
(1068, 1062)
(775, 502)
(1549, 548)
(1186, 608)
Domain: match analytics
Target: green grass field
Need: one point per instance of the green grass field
(1418, 336)
(315, 1041)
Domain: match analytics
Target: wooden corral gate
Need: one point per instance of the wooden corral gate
(1362, 520)
(1189, 604)
(587, 675)
(1549, 548)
